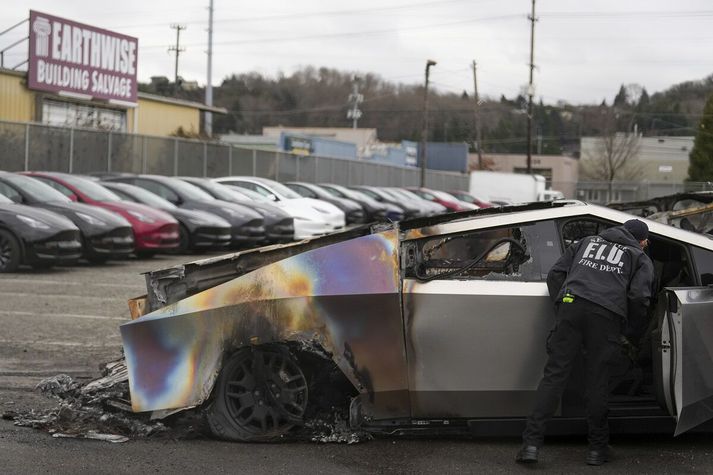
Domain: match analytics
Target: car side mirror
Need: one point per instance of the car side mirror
(272, 197)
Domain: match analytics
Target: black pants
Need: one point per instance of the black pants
(579, 324)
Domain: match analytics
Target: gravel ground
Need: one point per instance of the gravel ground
(66, 320)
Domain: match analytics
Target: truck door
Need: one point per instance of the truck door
(686, 356)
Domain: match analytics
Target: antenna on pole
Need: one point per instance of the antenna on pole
(178, 50)
(355, 98)
(209, 73)
(530, 88)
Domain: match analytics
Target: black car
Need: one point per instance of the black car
(197, 230)
(105, 235)
(353, 211)
(279, 226)
(36, 237)
(410, 210)
(374, 210)
(247, 225)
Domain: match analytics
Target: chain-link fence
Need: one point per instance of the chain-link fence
(622, 192)
(29, 146)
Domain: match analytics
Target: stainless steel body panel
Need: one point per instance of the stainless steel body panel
(475, 348)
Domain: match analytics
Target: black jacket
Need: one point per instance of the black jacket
(610, 270)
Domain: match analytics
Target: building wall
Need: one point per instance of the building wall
(160, 118)
(17, 103)
(561, 172)
(659, 159)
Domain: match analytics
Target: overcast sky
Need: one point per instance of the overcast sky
(583, 50)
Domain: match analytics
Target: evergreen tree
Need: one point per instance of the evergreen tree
(701, 158)
(644, 101)
(621, 98)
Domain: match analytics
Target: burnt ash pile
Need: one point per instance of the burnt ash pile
(101, 410)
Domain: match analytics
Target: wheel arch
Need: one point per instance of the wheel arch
(20, 241)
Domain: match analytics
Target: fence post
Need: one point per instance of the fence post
(27, 147)
(316, 170)
(298, 160)
(175, 157)
(205, 159)
(143, 154)
(71, 147)
(277, 166)
(108, 153)
(331, 169)
(349, 173)
(230, 160)
(254, 162)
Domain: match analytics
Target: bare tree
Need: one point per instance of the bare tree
(613, 156)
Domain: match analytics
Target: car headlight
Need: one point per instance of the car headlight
(32, 222)
(142, 217)
(91, 219)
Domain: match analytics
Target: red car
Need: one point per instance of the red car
(442, 198)
(468, 198)
(154, 230)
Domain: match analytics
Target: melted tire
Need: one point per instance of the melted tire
(260, 395)
(10, 252)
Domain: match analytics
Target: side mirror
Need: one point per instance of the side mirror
(272, 197)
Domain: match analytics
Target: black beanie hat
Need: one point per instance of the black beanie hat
(637, 228)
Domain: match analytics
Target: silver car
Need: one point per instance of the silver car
(432, 325)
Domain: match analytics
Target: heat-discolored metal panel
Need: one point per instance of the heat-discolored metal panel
(476, 348)
(343, 297)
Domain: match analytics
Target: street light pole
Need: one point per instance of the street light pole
(424, 132)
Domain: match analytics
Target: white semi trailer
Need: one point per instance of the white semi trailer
(499, 187)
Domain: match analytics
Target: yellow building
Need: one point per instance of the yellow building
(152, 115)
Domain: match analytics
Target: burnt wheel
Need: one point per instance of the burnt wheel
(260, 395)
(9, 252)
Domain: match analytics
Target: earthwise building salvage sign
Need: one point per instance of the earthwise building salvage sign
(77, 60)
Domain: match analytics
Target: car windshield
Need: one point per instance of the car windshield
(218, 191)
(425, 195)
(5, 200)
(465, 197)
(192, 192)
(444, 196)
(249, 194)
(408, 193)
(281, 189)
(92, 190)
(144, 196)
(35, 189)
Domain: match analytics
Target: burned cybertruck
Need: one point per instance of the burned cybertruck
(433, 325)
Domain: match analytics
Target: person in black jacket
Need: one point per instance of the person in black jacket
(600, 286)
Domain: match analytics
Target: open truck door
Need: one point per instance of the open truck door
(686, 356)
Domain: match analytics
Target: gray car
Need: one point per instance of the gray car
(432, 325)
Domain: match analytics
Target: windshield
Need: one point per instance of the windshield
(282, 189)
(218, 191)
(408, 193)
(143, 196)
(249, 194)
(5, 200)
(192, 192)
(444, 196)
(35, 189)
(92, 190)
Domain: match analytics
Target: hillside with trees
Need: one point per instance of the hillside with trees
(317, 97)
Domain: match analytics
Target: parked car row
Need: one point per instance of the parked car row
(112, 215)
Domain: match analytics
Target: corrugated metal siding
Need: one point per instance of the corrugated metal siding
(452, 157)
(17, 103)
(158, 118)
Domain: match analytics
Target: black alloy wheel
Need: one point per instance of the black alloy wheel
(184, 239)
(261, 394)
(9, 252)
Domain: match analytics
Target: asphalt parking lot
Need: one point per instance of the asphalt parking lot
(66, 320)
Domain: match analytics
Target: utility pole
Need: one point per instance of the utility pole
(476, 117)
(178, 50)
(209, 73)
(355, 99)
(530, 89)
(424, 131)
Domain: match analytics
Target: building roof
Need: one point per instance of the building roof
(181, 102)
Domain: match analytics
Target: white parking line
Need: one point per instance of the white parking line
(58, 343)
(71, 296)
(70, 282)
(61, 315)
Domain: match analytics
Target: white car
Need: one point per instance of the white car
(312, 217)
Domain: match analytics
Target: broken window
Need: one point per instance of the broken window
(505, 253)
(574, 230)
